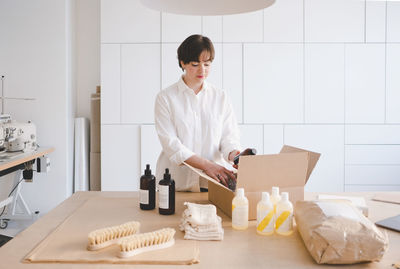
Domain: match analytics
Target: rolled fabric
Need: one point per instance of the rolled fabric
(336, 232)
(81, 155)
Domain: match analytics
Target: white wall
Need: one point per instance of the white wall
(318, 74)
(36, 48)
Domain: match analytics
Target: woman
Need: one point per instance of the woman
(195, 121)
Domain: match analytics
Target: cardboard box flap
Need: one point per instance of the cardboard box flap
(221, 197)
(260, 172)
(313, 157)
(204, 175)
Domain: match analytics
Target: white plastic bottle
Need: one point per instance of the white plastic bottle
(265, 215)
(284, 216)
(275, 197)
(240, 211)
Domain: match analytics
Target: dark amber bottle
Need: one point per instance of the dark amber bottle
(166, 194)
(147, 190)
(248, 151)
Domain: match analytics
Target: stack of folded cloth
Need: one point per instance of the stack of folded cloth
(200, 222)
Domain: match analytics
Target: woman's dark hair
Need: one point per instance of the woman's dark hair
(192, 47)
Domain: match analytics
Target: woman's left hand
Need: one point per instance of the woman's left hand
(232, 155)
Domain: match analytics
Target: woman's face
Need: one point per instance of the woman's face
(197, 72)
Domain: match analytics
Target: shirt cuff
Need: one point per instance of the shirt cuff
(182, 155)
(228, 149)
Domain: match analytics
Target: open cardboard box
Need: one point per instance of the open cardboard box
(289, 170)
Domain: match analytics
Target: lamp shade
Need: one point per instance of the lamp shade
(207, 7)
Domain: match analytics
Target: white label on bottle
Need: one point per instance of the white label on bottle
(144, 197)
(163, 197)
(240, 215)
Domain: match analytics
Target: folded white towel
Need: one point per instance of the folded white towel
(201, 229)
(200, 214)
(204, 236)
(200, 222)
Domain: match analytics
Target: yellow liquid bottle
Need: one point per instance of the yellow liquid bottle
(265, 215)
(275, 197)
(240, 211)
(284, 216)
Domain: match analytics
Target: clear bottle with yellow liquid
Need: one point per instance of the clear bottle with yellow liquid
(265, 215)
(240, 211)
(275, 197)
(284, 216)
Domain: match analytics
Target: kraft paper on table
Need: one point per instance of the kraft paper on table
(68, 242)
(388, 198)
(336, 232)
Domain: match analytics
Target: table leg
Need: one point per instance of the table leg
(18, 201)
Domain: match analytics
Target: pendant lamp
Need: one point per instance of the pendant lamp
(207, 7)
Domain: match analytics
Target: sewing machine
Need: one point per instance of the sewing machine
(18, 151)
(16, 136)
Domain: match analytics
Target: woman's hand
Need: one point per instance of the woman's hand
(232, 155)
(216, 171)
(219, 173)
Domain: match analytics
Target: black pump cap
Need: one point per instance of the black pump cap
(167, 175)
(248, 151)
(253, 152)
(147, 172)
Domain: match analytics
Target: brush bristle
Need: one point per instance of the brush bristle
(137, 241)
(103, 235)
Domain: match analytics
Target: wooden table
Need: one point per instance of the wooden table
(239, 249)
(9, 160)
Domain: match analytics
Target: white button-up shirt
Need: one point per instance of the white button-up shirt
(188, 124)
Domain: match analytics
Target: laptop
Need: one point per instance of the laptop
(392, 223)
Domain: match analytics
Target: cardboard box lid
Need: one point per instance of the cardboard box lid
(290, 168)
(260, 172)
(313, 157)
(204, 175)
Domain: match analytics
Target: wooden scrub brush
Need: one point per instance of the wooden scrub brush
(108, 236)
(139, 243)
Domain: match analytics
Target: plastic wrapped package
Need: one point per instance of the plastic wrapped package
(336, 232)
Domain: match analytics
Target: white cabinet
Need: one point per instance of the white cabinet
(128, 21)
(120, 157)
(247, 27)
(324, 83)
(150, 147)
(334, 20)
(251, 136)
(176, 28)
(110, 83)
(273, 83)
(393, 21)
(140, 82)
(327, 140)
(232, 76)
(392, 83)
(365, 83)
(283, 21)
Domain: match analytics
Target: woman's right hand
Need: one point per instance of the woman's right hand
(219, 173)
(216, 171)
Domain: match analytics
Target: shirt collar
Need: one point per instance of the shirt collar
(183, 87)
